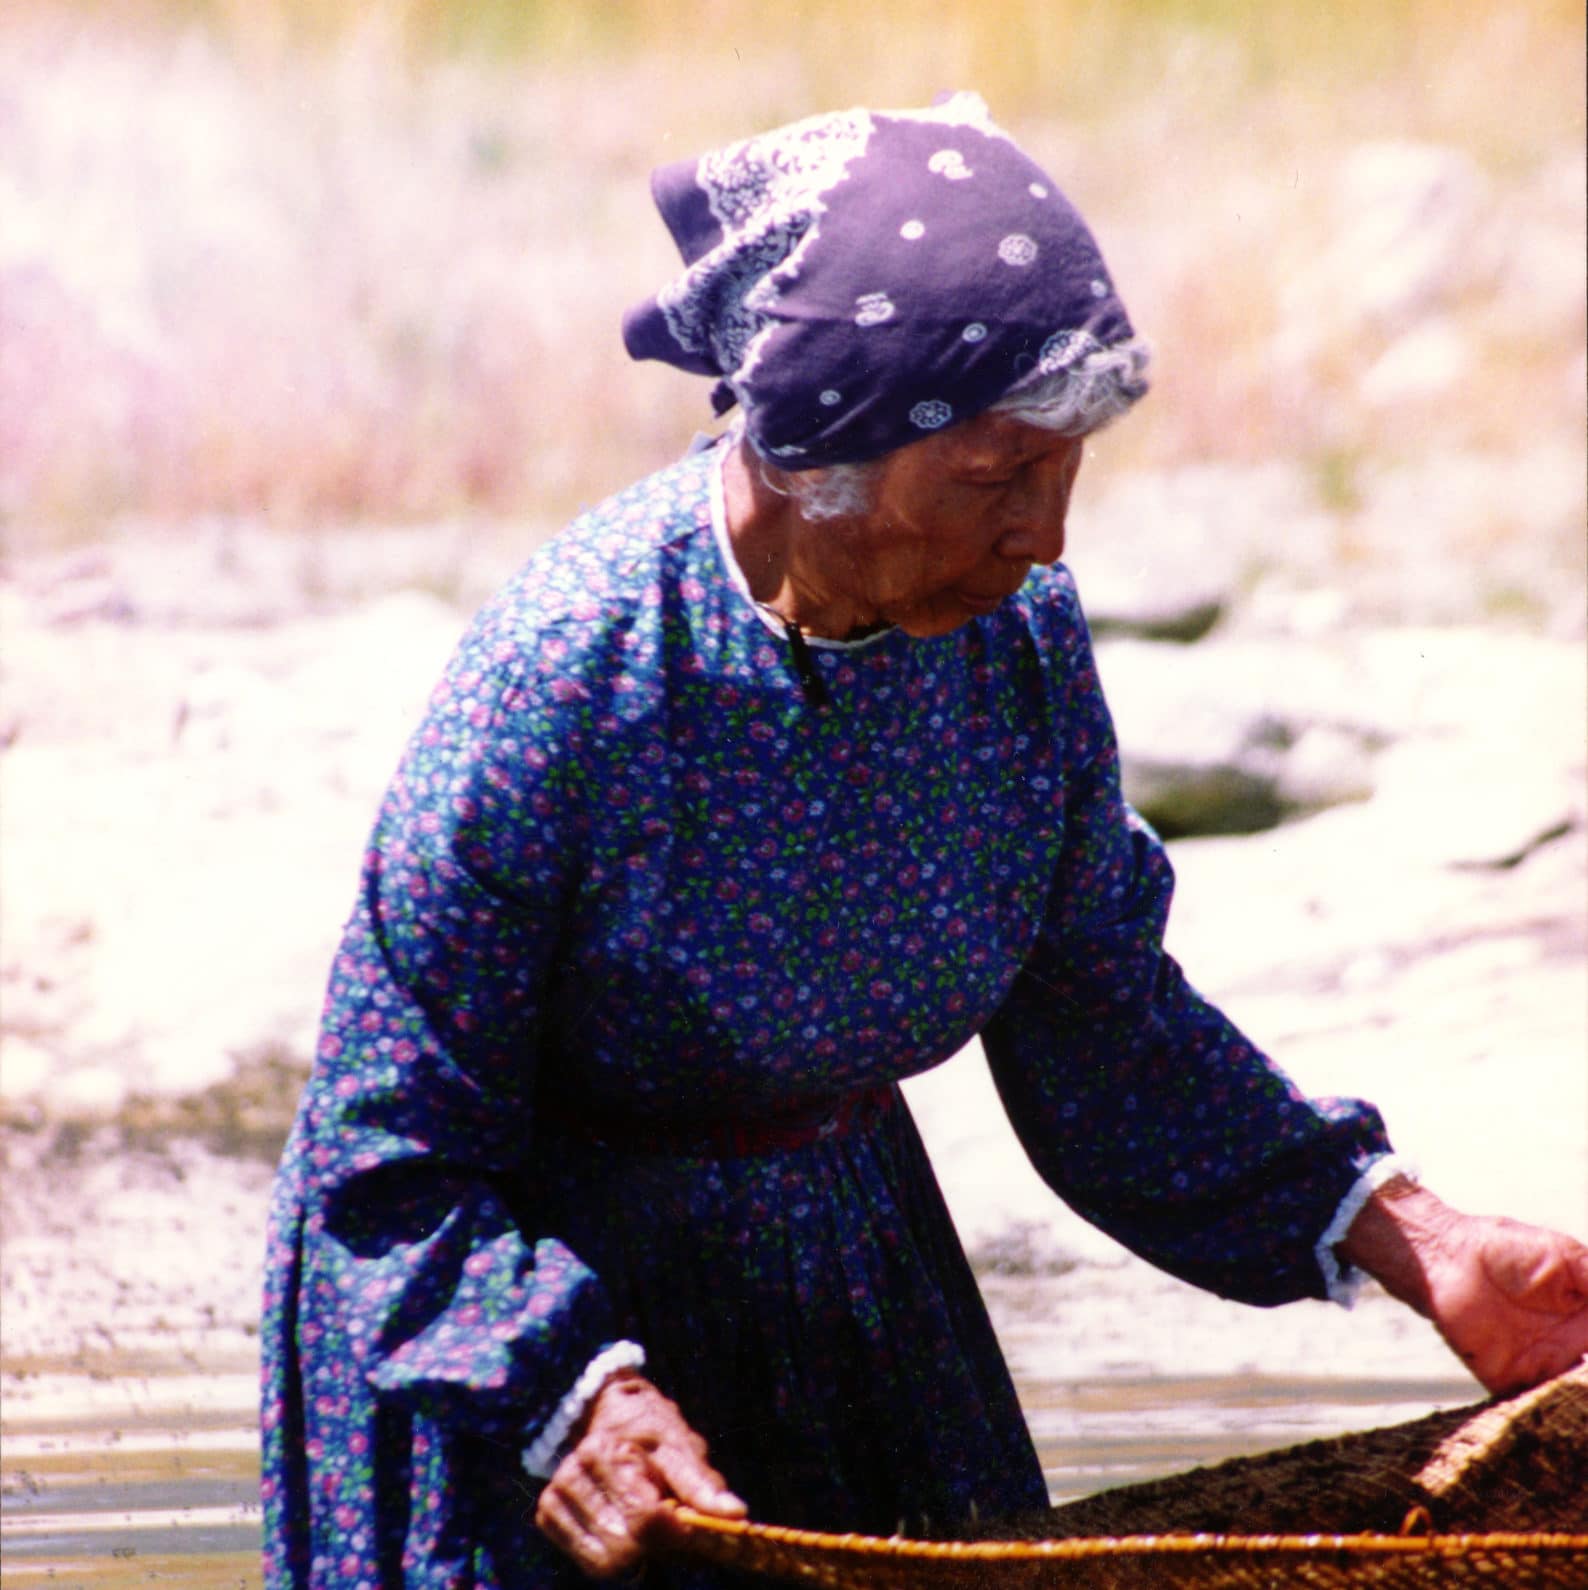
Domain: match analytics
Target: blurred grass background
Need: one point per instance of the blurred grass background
(315, 262)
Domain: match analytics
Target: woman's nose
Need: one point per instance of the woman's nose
(1034, 530)
(1036, 536)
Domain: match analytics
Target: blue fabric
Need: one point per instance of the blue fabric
(861, 279)
(624, 863)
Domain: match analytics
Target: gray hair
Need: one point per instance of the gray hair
(1075, 397)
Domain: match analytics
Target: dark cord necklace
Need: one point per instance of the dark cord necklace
(811, 681)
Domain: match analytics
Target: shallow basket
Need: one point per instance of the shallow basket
(1496, 1494)
(866, 1562)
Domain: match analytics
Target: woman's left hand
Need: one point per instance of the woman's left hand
(1511, 1300)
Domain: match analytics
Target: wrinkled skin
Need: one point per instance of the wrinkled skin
(1510, 1300)
(954, 525)
(604, 1505)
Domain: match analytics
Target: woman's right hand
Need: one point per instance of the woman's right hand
(605, 1504)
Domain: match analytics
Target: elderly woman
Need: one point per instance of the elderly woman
(772, 781)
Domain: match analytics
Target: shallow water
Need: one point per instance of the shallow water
(123, 1477)
(129, 1478)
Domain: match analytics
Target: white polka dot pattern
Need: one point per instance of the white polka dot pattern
(1017, 249)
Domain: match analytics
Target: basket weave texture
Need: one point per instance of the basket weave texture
(1496, 1495)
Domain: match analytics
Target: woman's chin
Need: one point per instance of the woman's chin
(942, 617)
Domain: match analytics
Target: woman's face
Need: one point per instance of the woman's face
(956, 522)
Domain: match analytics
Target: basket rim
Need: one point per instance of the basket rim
(686, 1521)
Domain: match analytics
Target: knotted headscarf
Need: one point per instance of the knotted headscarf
(861, 279)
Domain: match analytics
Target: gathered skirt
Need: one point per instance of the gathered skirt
(810, 1309)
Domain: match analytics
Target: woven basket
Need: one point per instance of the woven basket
(865, 1562)
(1457, 1487)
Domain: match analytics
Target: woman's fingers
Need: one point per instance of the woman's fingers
(596, 1510)
(636, 1452)
(684, 1473)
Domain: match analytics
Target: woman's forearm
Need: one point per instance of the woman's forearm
(1394, 1236)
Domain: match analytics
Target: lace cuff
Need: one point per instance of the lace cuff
(1342, 1280)
(548, 1449)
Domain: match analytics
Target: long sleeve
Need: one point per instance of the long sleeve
(1137, 1101)
(421, 1108)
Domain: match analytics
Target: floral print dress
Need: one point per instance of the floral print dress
(632, 887)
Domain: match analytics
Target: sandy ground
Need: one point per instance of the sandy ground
(187, 784)
(194, 744)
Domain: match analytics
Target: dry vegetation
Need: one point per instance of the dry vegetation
(321, 261)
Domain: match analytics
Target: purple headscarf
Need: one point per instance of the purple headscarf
(861, 279)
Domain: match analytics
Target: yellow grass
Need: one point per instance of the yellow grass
(322, 260)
